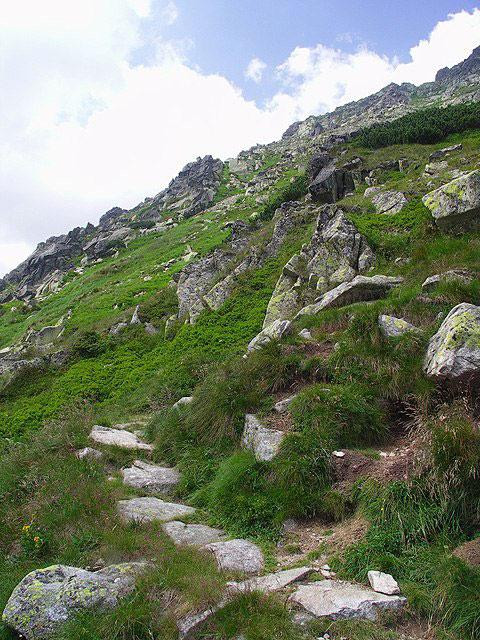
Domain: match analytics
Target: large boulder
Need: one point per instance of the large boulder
(338, 600)
(456, 205)
(453, 353)
(360, 289)
(47, 598)
(336, 253)
(331, 184)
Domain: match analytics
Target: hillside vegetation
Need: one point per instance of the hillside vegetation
(407, 497)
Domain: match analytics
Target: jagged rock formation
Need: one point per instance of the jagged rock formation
(336, 253)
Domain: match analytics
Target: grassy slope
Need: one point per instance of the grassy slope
(135, 373)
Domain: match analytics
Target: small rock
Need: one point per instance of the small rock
(305, 334)
(118, 438)
(441, 153)
(135, 318)
(150, 477)
(148, 509)
(383, 583)
(182, 402)
(453, 275)
(196, 535)
(338, 454)
(263, 441)
(282, 405)
(88, 452)
(274, 331)
(392, 327)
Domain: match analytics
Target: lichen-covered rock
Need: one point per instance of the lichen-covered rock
(148, 509)
(339, 600)
(453, 275)
(47, 598)
(274, 331)
(392, 327)
(386, 202)
(336, 253)
(456, 205)
(150, 478)
(360, 289)
(263, 441)
(237, 555)
(103, 244)
(453, 353)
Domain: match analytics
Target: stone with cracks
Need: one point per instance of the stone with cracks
(453, 353)
(118, 438)
(148, 509)
(47, 598)
(392, 327)
(360, 289)
(386, 202)
(342, 600)
(274, 331)
(383, 583)
(456, 205)
(196, 535)
(263, 441)
(237, 555)
(331, 184)
(150, 478)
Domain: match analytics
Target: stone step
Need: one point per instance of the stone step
(150, 478)
(237, 555)
(341, 600)
(148, 509)
(196, 535)
(118, 438)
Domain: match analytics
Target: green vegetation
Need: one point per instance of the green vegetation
(424, 126)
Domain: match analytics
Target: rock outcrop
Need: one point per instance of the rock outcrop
(336, 253)
(454, 351)
(47, 598)
(456, 205)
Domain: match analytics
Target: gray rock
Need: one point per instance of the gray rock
(117, 328)
(383, 583)
(148, 509)
(135, 317)
(305, 334)
(456, 205)
(272, 581)
(435, 168)
(342, 600)
(47, 598)
(237, 555)
(360, 289)
(118, 438)
(88, 452)
(150, 477)
(331, 184)
(386, 202)
(182, 402)
(196, 535)
(446, 151)
(454, 275)
(105, 243)
(336, 253)
(274, 331)
(263, 441)
(453, 353)
(282, 406)
(150, 329)
(392, 327)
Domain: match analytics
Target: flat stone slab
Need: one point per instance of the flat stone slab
(237, 555)
(272, 581)
(196, 535)
(150, 477)
(148, 509)
(263, 441)
(383, 583)
(341, 600)
(118, 438)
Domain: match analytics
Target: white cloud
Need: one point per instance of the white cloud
(255, 70)
(82, 130)
(170, 13)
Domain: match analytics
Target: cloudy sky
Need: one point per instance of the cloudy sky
(103, 101)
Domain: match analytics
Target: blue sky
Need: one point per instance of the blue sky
(103, 101)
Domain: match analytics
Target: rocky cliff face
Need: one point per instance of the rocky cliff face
(195, 187)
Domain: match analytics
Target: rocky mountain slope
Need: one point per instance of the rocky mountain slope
(248, 407)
